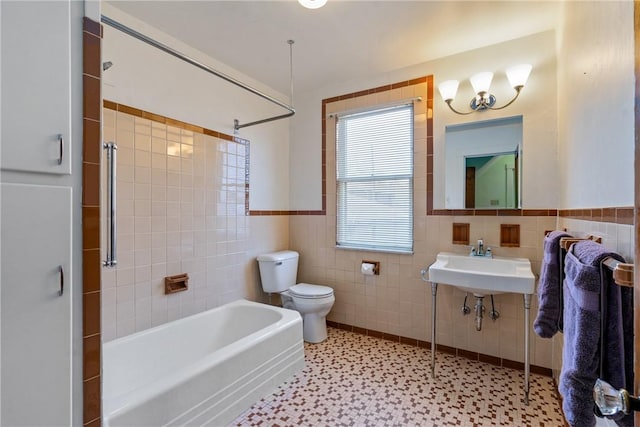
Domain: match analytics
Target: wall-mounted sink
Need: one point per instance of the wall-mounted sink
(483, 275)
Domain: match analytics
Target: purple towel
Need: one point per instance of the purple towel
(549, 318)
(581, 352)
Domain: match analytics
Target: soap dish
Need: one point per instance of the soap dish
(177, 283)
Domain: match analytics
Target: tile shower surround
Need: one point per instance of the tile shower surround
(182, 205)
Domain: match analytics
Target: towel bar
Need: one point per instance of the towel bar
(622, 272)
(566, 242)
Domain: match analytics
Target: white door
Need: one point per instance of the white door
(35, 264)
(36, 86)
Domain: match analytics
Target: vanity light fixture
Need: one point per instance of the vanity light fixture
(312, 4)
(481, 83)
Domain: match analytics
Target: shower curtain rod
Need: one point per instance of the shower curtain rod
(237, 126)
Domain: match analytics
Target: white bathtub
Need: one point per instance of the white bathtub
(204, 369)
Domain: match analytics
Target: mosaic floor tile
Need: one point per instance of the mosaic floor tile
(356, 380)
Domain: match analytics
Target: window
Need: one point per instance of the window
(375, 179)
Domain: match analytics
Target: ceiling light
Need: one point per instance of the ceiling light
(481, 83)
(312, 4)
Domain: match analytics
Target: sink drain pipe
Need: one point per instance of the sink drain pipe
(479, 308)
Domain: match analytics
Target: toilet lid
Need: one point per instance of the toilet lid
(305, 290)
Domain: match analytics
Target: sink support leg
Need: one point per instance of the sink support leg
(527, 307)
(434, 291)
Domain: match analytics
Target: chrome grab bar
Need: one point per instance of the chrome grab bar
(111, 148)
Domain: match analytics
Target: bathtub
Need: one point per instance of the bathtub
(205, 369)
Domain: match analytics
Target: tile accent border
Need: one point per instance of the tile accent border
(494, 212)
(492, 360)
(617, 215)
(188, 126)
(91, 262)
(169, 121)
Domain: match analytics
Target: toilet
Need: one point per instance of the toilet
(278, 272)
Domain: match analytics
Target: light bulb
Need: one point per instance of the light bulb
(312, 4)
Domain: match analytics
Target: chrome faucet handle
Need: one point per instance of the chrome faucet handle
(473, 251)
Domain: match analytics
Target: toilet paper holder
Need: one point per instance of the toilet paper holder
(376, 266)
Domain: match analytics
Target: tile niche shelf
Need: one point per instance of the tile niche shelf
(460, 233)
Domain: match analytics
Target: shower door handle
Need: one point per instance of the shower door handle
(111, 260)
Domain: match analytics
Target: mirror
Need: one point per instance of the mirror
(484, 164)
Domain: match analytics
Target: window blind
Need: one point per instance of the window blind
(374, 157)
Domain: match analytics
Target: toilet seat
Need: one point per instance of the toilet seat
(307, 291)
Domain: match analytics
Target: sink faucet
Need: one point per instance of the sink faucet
(481, 251)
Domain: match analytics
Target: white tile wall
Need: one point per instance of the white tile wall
(399, 302)
(181, 209)
(615, 237)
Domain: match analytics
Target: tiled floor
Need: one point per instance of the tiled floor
(355, 380)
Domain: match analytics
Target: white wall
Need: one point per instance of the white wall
(537, 104)
(595, 105)
(149, 79)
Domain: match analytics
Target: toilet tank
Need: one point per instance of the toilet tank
(278, 270)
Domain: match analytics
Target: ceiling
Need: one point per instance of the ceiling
(345, 40)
